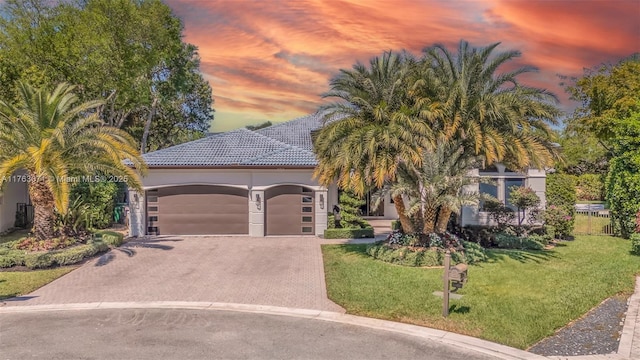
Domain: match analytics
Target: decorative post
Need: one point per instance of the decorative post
(445, 293)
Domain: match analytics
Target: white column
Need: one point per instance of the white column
(321, 201)
(136, 214)
(256, 213)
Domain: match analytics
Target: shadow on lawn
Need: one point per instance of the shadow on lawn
(523, 256)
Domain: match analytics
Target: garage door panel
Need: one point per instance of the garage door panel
(284, 211)
(199, 210)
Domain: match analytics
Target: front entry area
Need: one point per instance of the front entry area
(197, 210)
(290, 210)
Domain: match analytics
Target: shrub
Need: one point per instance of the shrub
(499, 212)
(38, 260)
(405, 256)
(100, 200)
(550, 231)
(590, 187)
(350, 211)
(635, 244)
(348, 233)
(524, 198)
(561, 190)
(78, 253)
(473, 252)
(33, 244)
(482, 235)
(111, 238)
(9, 258)
(507, 241)
(331, 221)
(623, 193)
(560, 219)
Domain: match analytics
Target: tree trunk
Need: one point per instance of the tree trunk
(407, 228)
(443, 219)
(430, 213)
(43, 208)
(147, 126)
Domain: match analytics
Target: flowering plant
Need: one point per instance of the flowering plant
(561, 219)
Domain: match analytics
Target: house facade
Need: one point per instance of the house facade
(256, 183)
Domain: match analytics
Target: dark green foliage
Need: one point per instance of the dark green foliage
(635, 244)
(507, 241)
(561, 190)
(623, 180)
(590, 187)
(350, 211)
(99, 199)
(331, 221)
(342, 233)
(499, 212)
(473, 253)
(40, 260)
(524, 198)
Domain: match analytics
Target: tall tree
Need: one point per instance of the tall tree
(128, 52)
(494, 115)
(372, 129)
(52, 136)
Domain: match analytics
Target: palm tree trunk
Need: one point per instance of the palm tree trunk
(430, 213)
(43, 209)
(443, 219)
(407, 228)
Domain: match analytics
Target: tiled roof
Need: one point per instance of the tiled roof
(286, 144)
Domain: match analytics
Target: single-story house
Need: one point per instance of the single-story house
(260, 183)
(15, 192)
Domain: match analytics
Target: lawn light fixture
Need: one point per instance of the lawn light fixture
(258, 202)
(321, 201)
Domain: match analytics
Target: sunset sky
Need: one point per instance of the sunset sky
(271, 60)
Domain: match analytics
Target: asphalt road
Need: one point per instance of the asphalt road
(200, 334)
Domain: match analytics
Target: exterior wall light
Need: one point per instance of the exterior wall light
(321, 201)
(258, 202)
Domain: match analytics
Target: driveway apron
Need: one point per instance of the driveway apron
(276, 271)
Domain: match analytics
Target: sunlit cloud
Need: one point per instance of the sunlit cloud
(272, 60)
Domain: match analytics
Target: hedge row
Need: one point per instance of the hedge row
(348, 233)
(40, 260)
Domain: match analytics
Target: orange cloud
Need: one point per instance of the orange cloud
(271, 60)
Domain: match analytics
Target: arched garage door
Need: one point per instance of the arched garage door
(197, 210)
(289, 210)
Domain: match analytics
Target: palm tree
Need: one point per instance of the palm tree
(52, 137)
(373, 129)
(437, 184)
(496, 117)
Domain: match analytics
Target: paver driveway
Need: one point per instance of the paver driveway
(277, 271)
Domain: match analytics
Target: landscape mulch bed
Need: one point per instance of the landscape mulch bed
(596, 333)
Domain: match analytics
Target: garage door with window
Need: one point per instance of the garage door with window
(289, 211)
(197, 210)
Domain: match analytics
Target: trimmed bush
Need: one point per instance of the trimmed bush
(507, 241)
(561, 190)
(406, 256)
(111, 238)
(635, 244)
(40, 260)
(348, 233)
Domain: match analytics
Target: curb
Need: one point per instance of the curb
(456, 340)
(625, 347)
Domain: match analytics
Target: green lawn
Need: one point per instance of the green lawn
(599, 225)
(517, 298)
(16, 283)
